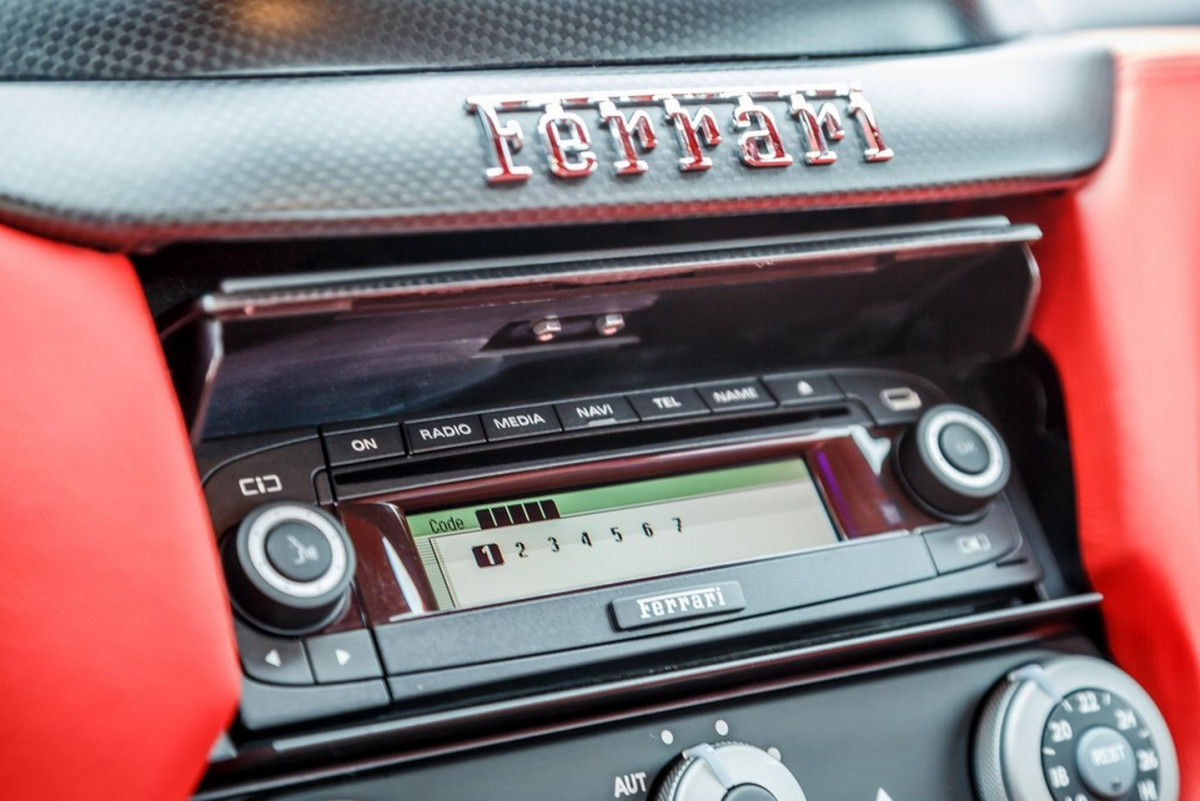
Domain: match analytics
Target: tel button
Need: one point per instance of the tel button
(668, 403)
(445, 432)
(361, 445)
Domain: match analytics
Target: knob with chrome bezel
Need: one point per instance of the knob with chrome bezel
(1074, 728)
(288, 567)
(728, 772)
(953, 462)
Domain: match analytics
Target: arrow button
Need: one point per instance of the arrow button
(346, 656)
(275, 660)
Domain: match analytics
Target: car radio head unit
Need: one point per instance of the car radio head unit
(571, 549)
(438, 490)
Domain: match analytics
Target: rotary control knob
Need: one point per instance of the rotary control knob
(953, 461)
(728, 772)
(288, 567)
(1076, 728)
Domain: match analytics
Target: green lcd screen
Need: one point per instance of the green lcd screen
(555, 542)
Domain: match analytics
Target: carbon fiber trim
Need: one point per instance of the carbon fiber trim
(136, 165)
(82, 39)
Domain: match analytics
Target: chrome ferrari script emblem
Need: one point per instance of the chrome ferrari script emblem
(821, 113)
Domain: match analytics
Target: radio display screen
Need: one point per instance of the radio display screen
(554, 542)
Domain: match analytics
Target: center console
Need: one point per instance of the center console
(745, 521)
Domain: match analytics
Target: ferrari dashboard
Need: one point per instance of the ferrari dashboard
(618, 400)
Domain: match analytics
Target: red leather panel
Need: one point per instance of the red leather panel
(1120, 314)
(116, 654)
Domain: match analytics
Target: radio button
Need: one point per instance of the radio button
(596, 412)
(444, 432)
(348, 656)
(736, 396)
(363, 444)
(803, 389)
(665, 404)
(527, 421)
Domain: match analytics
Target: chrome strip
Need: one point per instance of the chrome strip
(338, 291)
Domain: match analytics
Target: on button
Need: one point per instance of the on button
(963, 448)
(364, 444)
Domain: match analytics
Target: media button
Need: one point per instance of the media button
(668, 403)
(596, 412)
(736, 396)
(527, 421)
(444, 432)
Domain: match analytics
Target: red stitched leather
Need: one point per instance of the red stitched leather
(1120, 314)
(116, 653)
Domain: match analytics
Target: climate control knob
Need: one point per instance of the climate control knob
(728, 772)
(1076, 728)
(953, 461)
(288, 567)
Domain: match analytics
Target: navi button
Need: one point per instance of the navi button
(668, 403)
(527, 421)
(736, 396)
(445, 432)
(596, 412)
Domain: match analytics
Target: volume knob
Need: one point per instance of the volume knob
(953, 461)
(289, 567)
(728, 772)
